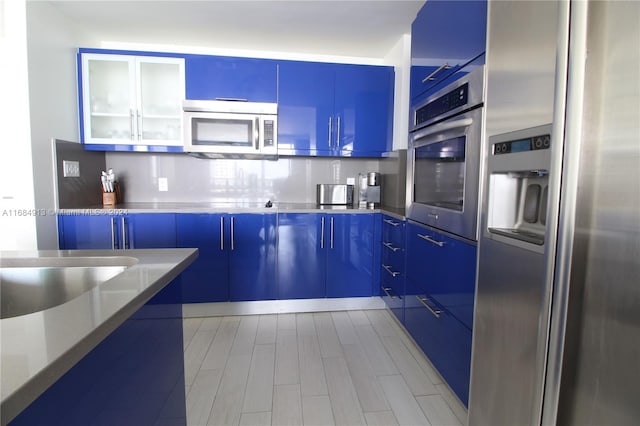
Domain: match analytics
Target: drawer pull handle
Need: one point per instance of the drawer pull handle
(431, 240)
(388, 269)
(435, 311)
(387, 291)
(390, 222)
(432, 76)
(391, 247)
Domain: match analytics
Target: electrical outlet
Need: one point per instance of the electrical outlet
(163, 184)
(70, 168)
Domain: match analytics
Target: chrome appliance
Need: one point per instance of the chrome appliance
(334, 194)
(227, 128)
(444, 157)
(369, 190)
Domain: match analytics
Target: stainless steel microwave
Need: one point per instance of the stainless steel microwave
(223, 128)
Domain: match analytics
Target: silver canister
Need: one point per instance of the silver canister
(374, 182)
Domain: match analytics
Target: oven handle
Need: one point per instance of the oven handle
(256, 137)
(442, 127)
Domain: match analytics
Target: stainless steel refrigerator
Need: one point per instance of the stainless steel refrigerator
(557, 316)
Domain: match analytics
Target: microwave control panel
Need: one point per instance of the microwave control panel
(445, 103)
(522, 145)
(268, 133)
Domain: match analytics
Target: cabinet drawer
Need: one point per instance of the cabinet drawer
(393, 231)
(395, 260)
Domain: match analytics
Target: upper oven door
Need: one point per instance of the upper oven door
(222, 132)
(443, 169)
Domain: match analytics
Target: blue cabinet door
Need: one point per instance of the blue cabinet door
(350, 255)
(301, 255)
(85, 232)
(149, 230)
(305, 108)
(252, 256)
(363, 109)
(207, 278)
(212, 77)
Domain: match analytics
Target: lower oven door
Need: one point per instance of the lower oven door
(443, 174)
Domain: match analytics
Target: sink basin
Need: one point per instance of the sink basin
(30, 285)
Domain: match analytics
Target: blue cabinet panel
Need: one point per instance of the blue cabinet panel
(305, 108)
(211, 77)
(363, 108)
(302, 256)
(84, 232)
(350, 255)
(392, 264)
(135, 376)
(252, 257)
(207, 278)
(153, 230)
(335, 109)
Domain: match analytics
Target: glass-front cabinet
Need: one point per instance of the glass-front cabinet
(132, 100)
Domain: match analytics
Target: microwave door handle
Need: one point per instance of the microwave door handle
(443, 127)
(256, 134)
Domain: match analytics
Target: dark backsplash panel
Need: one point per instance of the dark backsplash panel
(83, 191)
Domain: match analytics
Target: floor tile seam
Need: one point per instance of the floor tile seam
(236, 336)
(273, 376)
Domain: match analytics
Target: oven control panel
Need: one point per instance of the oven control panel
(522, 145)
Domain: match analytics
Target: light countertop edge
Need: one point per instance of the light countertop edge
(19, 397)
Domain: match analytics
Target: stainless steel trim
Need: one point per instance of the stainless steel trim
(390, 222)
(221, 233)
(113, 233)
(322, 233)
(431, 76)
(330, 131)
(124, 233)
(230, 107)
(391, 247)
(431, 240)
(435, 311)
(563, 173)
(390, 271)
(256, 133)
(386, 291)
(131, 127)
(233, 225)
(232, 99)
(331, 235)
(338, 133)
(139, 124)
(442, 127)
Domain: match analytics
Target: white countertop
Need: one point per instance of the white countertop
(38, 348)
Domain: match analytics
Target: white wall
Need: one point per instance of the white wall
(52, 41)
(400, 58)
(17, 222)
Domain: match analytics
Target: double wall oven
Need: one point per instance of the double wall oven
(444, 157)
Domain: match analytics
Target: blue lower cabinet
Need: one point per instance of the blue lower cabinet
(350, 255)
(392, 292)
(152, 230)
(207, 278)
(302, 257)
(444, 339)
(252, 256)
(135, 376)
(85, 232)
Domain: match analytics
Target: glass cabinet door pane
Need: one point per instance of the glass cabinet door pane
(109, 87)
(161, 97)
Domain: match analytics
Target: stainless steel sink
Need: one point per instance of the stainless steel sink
(30, 285)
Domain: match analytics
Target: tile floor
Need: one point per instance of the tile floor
(329, 368)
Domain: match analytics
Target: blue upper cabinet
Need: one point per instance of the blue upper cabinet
(445, 37)
(334, 109)
(130, 101)
(216, 77)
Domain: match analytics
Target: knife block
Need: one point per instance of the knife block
(111, 198)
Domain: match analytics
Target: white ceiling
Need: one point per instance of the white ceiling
(362, 28)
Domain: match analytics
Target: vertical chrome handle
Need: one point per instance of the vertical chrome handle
(221, 233)
(322, 233)
(124, 233)
(232, 233)
(338, 133)
(133, 135)
(331, 235)
(256, 134)
(139, 124)
(330, 130)
(113, 233)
